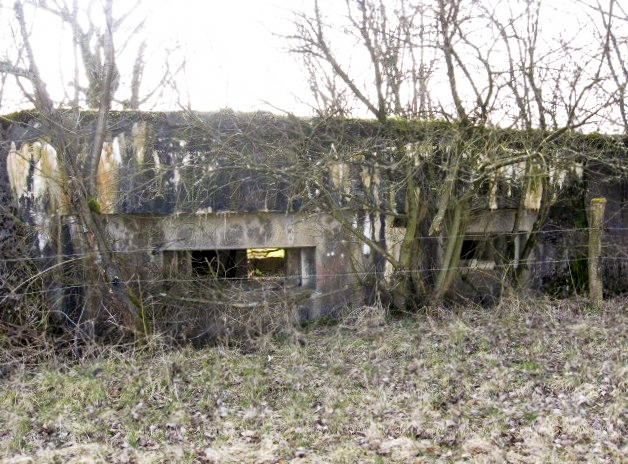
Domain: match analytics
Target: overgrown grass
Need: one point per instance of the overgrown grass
(528, 381)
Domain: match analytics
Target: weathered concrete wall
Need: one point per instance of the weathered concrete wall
(166, 163)
(560, 260)
(171, 181)
(500, 221)
(144, 239)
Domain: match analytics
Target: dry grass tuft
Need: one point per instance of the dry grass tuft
(529, 381)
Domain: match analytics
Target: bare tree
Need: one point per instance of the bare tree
(613, 37)
(98, 60)
(489, 65)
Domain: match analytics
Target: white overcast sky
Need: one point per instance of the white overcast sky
(236, 56)
(235, 51)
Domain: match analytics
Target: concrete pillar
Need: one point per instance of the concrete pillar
(308, 267)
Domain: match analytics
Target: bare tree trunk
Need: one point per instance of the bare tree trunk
(136, 79)
(105, 103)
(534, 235)
(451, 260)
(61, 133)
(410, 253)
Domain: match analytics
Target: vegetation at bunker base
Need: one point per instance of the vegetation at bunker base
(527, 381)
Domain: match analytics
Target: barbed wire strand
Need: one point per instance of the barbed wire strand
(258, 279)
(164, 247)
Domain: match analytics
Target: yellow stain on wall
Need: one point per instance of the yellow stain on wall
(106, 179)
(492, 198)
(139, 140)
(46, 177)
(339, 175)
(394, 238)
(48, 168)
(371, 178)
(533, 198)
(18, 163)
(534, 188)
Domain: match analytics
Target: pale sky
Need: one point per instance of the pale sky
(236, 56)
(235, 52)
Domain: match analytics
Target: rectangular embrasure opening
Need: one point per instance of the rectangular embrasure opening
(266, 262)
(287, 266)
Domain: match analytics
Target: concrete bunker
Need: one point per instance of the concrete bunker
(220, 198)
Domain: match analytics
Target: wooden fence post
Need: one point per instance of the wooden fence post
(595, 249)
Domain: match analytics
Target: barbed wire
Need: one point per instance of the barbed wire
(297, 277)
(165, 247)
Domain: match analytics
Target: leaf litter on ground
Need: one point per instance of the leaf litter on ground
(523, 382)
